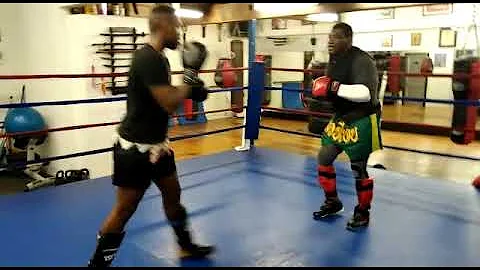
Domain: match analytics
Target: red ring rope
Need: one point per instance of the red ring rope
(98, 75)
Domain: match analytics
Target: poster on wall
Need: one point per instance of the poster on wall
(438, 9)
(448, 37)
(384, 14)
(415, 39)
(279, 24)
(387, 41)
(440, 60)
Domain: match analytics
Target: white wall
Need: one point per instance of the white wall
(369, 32)
(44, 39)
(11, 48)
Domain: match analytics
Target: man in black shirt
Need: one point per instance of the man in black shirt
(141, 153)
(351, 84)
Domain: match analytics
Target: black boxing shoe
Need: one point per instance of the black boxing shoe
(195, 251)
(360, 219)
(187, 247)
(107, 247)
(329, 208)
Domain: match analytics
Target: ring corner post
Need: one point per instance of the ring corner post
(255, 86)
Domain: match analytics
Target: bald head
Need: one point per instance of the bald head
(163, 26)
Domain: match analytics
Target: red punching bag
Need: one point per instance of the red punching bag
(188, 108)
(475, 82)
(393, 80)
(224, 77)
(476, 182)
(229, 79)
(473, 95)
(236, 97)
(464, 117)
(426, 66)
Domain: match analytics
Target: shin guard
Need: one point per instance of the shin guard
(107, 247)
(364, 189)
(327, 180)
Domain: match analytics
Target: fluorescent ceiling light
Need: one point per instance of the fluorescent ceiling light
(188, 13)
(323, 17)
(284, 7)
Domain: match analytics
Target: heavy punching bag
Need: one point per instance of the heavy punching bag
(393, 81)
(267, 60)
(226, 78)
(464, 117)
(223, 76)
(427, 65)
(237, 61)
(188, 109)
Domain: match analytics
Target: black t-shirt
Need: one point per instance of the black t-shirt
(355, 67)
(145, 121)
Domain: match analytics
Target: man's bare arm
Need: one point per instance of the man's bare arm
(170, 97)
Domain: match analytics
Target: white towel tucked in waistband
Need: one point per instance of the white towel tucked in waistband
(156, 150)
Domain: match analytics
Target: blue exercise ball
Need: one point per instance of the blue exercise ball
(23, 120)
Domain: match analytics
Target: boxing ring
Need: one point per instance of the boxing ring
(255, 204)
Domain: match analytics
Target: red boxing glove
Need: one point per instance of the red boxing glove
(323, 85)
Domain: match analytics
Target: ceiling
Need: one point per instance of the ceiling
(233, 12)
(205, 7)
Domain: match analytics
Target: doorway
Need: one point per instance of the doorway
(415, 87)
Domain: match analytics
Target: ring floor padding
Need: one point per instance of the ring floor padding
(257, 208)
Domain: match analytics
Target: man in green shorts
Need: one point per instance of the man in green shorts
(351, 84)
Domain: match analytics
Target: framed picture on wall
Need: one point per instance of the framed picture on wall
(448, 37)
(440, 60)
(388, 13)
(437, 9)
(415, 39)
(387, 41)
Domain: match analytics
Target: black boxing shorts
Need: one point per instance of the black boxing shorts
(132, 168)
